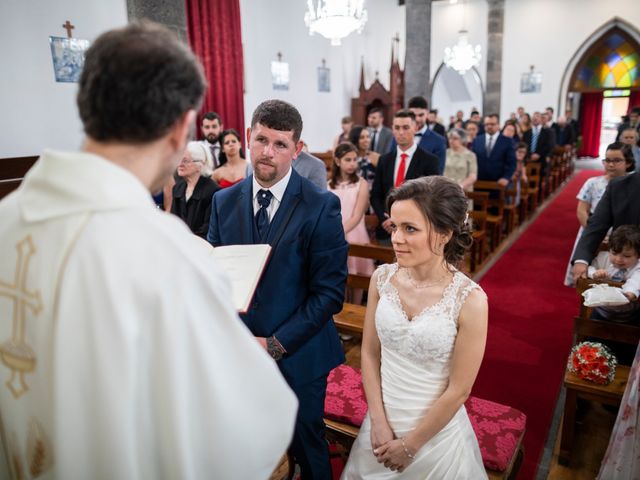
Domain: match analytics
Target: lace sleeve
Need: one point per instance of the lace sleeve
(383, 273)
(465, 289)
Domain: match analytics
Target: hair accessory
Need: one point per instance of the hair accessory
(593, 361)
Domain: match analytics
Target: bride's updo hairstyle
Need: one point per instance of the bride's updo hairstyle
(444, 206)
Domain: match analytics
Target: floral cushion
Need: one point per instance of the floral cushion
(345, 401)
(498, 429)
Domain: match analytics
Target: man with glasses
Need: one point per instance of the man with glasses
(495, 153)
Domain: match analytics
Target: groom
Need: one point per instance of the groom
(303, 284)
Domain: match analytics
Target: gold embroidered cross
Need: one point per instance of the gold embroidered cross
(15, 352)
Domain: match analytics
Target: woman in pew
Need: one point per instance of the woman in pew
(461, 165)
(233, 166)
(423, 342)
(367, 160)
(618, 161)
(353, 193)
(192, 193)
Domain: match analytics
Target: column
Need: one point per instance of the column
(494, 57)
(169, 13)
(417, 64)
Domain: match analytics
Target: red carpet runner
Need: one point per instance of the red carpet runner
(531, 319)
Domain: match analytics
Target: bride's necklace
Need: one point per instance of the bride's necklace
(420, 286)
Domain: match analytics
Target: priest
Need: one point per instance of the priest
(121, 356)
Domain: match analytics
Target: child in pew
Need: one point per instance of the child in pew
(620, 264)
(353, 192)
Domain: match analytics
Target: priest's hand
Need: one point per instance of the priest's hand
(579, 270)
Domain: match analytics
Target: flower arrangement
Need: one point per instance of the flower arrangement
(593, 361)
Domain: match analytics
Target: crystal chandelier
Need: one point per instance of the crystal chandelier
(335, 19)
(462, 56)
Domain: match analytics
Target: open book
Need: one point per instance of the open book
(244, 265)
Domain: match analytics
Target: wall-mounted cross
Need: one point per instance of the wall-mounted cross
(68, 27)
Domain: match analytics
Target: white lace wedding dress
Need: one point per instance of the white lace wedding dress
(415, 360)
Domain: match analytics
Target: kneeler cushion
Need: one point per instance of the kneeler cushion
(497, 427)
(345, 401)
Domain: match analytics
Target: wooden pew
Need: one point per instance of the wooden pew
(326, 157)
(350, 319)
(599, 330)
(533, 187)
(479, 221)
(496, 215)
(12, 171)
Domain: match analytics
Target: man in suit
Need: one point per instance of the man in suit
(433, 124)
(380, 135)
(565, 135)
(211, 128)
(539, 141)
(620, 205)
(426, 139)
(303, 284)
(407, 161)
(495, 153)
(311, 168)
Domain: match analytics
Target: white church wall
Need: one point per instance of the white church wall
(38, 112)
(267, 30)
(546, 34)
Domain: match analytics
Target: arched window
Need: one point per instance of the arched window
(613, 62)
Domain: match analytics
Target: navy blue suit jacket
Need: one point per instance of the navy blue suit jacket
(432, 143)
(502, 161)
(303, 284)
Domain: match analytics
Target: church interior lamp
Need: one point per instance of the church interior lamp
(462, 56)
(335, 19)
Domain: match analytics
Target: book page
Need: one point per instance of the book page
(244, 265)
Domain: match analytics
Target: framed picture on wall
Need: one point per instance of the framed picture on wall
(280, 75)
(67, 55)
(324, 79)
(531, 82)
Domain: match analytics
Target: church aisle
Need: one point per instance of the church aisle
(530, 321)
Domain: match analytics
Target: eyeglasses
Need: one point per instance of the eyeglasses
(187, 161)
(612, 160)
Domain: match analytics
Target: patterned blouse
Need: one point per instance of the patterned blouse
(592, 191)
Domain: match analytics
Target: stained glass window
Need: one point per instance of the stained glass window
(614, 63)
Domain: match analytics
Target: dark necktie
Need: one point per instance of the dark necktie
(262, 217)
(490, 145)
(534, 139)
(373, 140)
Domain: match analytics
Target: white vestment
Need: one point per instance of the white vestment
(121, 354)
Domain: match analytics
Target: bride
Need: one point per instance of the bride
(424, 337)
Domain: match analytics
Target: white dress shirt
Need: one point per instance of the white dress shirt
(491, 140)
(631, 276)
(276, 190)
(410, 151)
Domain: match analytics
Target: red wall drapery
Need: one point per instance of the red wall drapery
(590, 123)
(634, 100)
(215, 37)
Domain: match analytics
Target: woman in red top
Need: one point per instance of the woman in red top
(233, 166)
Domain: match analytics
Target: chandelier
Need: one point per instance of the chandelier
(462, 56)
(335, 19)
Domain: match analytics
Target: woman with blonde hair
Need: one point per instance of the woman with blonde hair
(192, 193)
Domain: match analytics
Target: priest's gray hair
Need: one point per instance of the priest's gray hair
(198, 153)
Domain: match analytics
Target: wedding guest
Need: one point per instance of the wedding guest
(471, 129)
(367, 159)
(353, 193)
(424, 337)
(461, 165)
(233, 167)
(617, 162)
(346, 125)
(629, 136)
(192, 193)
(524, 124)
(520, 173)
(510, 131)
